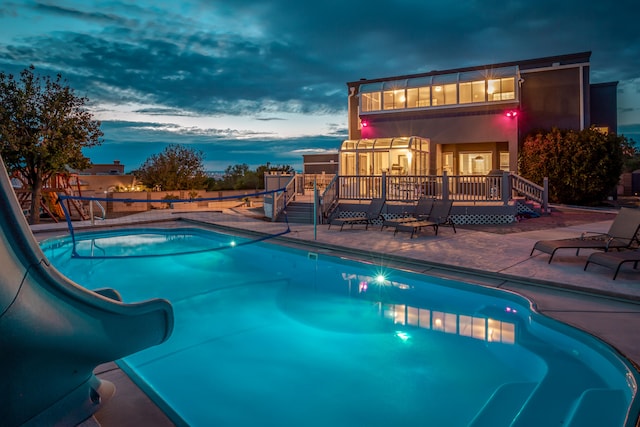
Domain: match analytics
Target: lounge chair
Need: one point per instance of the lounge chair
(614, 259)
(373, 213)
(422, 211)
(440, 216)
(622, 234)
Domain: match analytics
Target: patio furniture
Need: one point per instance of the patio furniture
(422, 211)
(439, 216)
(614, 260)
(622, 234)
(373, 213)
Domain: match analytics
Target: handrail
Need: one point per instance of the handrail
(328, 199)
(535, 192)
(91, 214)
(282, 199)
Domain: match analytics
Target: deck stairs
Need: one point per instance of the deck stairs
(527, 208)
(299, 211)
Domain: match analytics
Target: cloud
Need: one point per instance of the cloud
(141, 140)
(266, 60)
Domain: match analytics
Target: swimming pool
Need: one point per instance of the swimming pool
(268, 335)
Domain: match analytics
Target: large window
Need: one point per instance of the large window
(444, 94)
(501, 89)
(393, 99)
(371, 101)
(472, 92)
(418, 97)
(475, 163)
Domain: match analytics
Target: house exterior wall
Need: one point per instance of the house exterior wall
(552, 98)
(486, 128)
(550, 92)
(604, 100)
(320, 163)
(104, 169)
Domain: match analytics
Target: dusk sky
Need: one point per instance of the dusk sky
(249, 81)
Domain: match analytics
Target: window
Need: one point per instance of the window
(504, 161)
(602, 129)
(472, 92)
(418, 97)
(501, 89)
(444, 94)
(475, 163)
(371, 101)
(447, 163)
(393, 99)
(465, 93)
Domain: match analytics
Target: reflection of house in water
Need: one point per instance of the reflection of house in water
(492, 326)
(473, 326)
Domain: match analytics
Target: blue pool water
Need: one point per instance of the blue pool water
(272, 336)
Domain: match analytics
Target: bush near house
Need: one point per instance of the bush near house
(583, 167)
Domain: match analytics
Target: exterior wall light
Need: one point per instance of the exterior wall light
(511, 113)
(364, 123)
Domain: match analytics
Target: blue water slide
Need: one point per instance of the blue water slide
(54, 332)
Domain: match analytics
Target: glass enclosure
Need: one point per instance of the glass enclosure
(393, 156)
(477, 86)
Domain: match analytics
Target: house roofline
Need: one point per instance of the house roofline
(526, 64)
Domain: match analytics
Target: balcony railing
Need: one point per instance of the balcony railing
(466, 188)
(462, 188)
(497, 188)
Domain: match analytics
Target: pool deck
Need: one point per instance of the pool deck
(589, 300)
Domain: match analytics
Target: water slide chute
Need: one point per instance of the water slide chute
(54, 332)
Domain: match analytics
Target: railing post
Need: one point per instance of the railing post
(445, 186)
(315, 210)
(506, 190)
(545, 195)
(383, 185)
